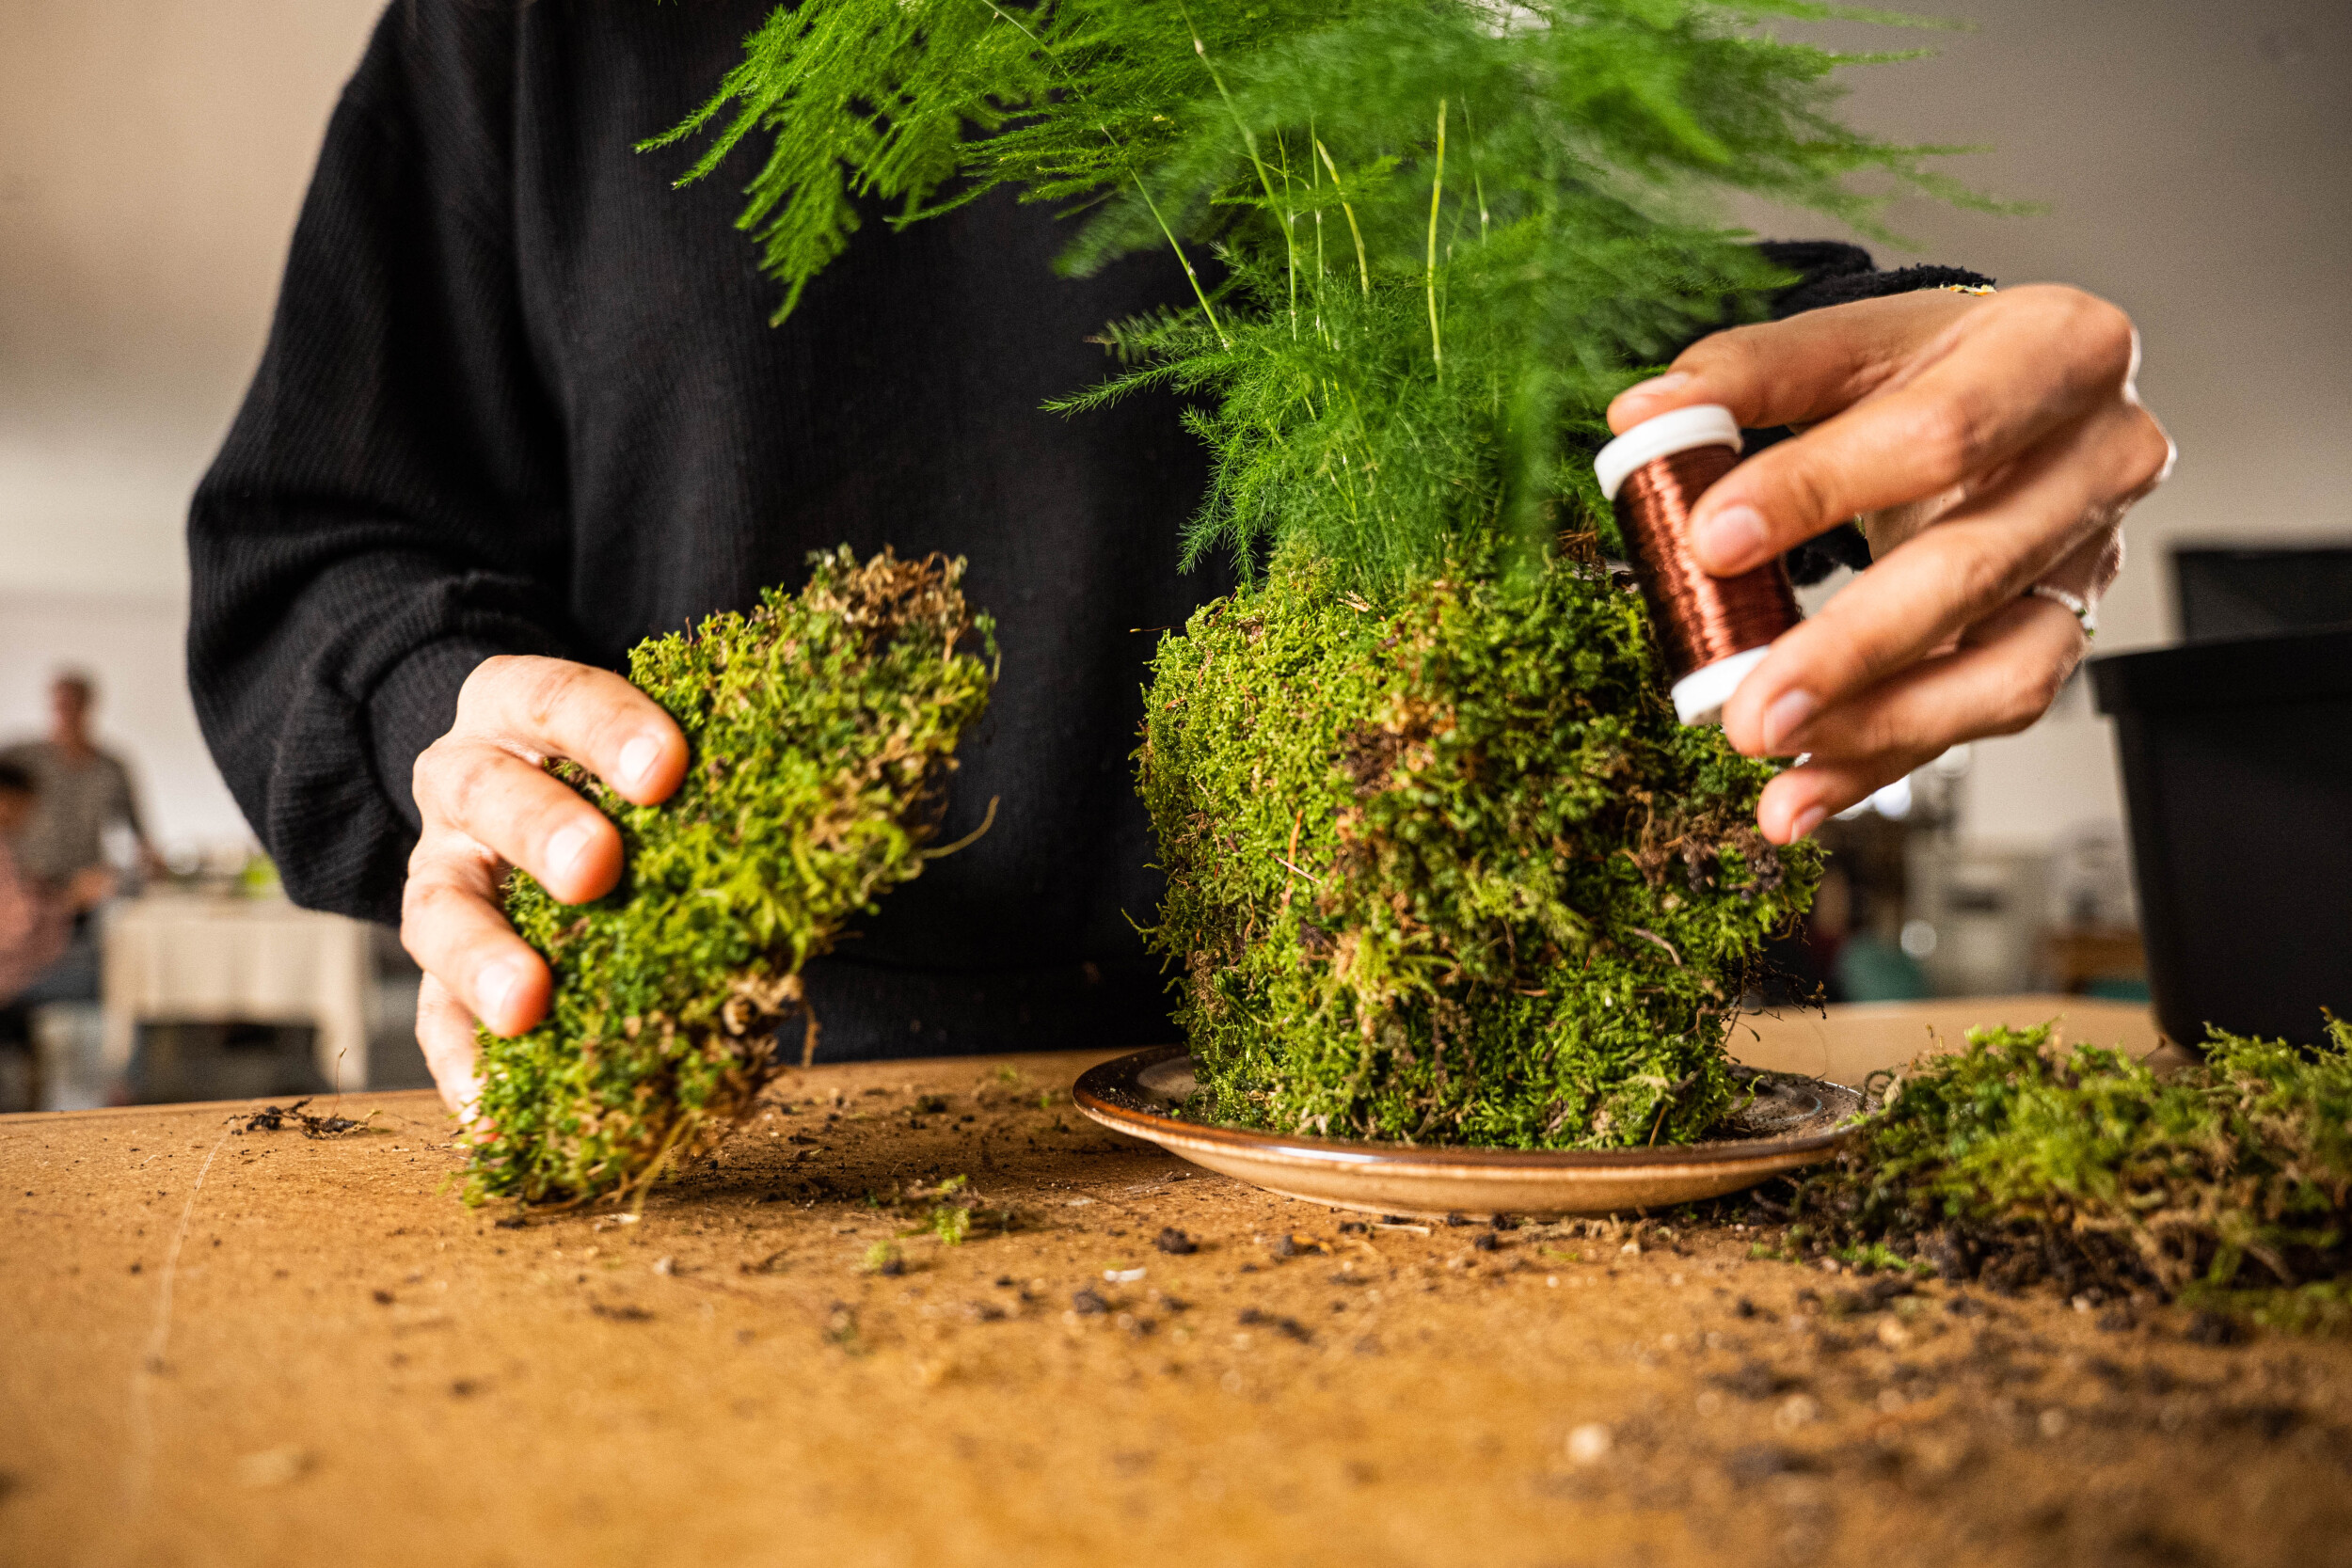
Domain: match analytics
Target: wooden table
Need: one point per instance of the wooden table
(261, 1349)
(187, 959)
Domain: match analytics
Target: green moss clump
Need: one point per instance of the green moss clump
(2228, 1184)
(1449, 871)
(820, 729)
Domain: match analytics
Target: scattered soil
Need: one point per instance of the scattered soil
(274, 1119)
(1302, 1386)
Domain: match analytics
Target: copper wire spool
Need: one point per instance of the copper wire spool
(1701, 620)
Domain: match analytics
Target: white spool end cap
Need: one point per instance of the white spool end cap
(1702, 424)
(1699, 696)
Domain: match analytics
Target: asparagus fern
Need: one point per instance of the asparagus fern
(1426, 240)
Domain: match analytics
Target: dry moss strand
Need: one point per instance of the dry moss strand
(1447, 870)
(821, 728)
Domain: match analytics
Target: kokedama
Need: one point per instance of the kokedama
(1450, 871)
(1442, 865)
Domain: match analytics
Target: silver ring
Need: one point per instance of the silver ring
(2075, 604)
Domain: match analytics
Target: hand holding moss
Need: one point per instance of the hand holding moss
(1990, 446)
(489, 805)
(819, 730)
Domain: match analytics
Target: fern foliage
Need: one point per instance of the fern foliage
(1428, 240)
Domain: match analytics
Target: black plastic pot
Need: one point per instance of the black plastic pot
(2237, 773)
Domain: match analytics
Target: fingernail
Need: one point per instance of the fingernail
(495, 990)
(637, 762)
(1785, 715)
(1806, 821)
(1673, 381)
(1730, 540)
(567, 846)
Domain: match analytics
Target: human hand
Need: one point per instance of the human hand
(1989, 444)
(487, 805)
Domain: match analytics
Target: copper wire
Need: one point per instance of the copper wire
(1699, 617)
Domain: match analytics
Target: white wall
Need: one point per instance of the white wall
(152, 155)
(2196, 161)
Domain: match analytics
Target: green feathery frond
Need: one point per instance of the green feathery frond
(1550, 253)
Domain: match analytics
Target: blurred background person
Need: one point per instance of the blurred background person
(83, 789)
(37, 920)
(80, 792)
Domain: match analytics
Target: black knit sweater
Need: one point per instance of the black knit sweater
(518, 398)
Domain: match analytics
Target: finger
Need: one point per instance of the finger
(2005, 674)
(1982, 556)
(496, 798)
(2093, 566)
(450, 924)
(1799, 801)
(555, 708)
(1803, 370)
(2008, 382)
(1994, 385)
(445, 1035)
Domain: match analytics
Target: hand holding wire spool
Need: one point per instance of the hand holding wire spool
(1712, 630)
(1989, 445)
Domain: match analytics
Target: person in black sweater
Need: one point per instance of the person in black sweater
(518, 411)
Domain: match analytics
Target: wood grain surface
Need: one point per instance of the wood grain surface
(346, 1366)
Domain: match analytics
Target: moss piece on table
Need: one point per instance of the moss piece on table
(1448, 870)
(2228, 1184)
(820, 730)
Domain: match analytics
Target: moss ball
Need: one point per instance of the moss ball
(1447, 870)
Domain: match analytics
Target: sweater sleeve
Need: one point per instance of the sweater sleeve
(386, 509)
(1832, 273)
